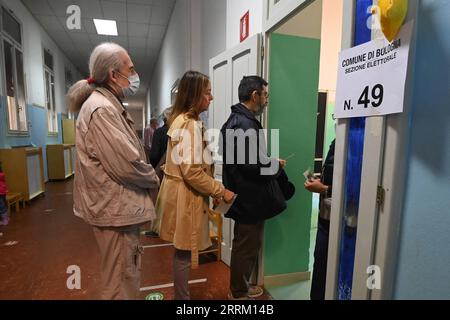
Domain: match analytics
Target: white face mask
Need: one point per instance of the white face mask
(133, 87)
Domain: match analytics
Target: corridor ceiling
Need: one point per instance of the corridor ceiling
(141, 27)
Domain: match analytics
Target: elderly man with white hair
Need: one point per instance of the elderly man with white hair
(113, 181)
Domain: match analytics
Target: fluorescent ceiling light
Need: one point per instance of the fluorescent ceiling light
(106, 27)
(125, 104)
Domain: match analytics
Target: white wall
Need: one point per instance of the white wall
(34, 40)
(321, 20)
(173, 58)
(331, 39)
(214, 30)
(307, 23)
(235, 10)
(196, 33)
(138, 117)
(195, 40)
(423, 255)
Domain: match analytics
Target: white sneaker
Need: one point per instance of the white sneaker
(255, 291)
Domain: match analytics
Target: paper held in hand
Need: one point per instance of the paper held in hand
(223, 207)
(309, 175)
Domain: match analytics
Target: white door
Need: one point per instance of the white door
(381, 196)
(226, 71)
(275, 11)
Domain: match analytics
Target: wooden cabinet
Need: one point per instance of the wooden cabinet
(68, 129)
(24, 170)
(60, 161)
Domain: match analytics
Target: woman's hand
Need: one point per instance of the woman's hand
(216, 202)
(228, 196)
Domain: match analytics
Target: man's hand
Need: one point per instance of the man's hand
(282, 163)
(315, 186)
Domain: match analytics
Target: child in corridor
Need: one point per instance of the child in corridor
(4, 217)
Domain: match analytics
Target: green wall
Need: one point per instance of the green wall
(293, 88)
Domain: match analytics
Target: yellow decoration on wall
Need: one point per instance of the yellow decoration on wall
(392, 16)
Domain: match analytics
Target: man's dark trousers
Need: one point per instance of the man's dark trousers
(247, 244)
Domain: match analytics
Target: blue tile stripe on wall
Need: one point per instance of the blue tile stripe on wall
(38, 131)
(353, 171)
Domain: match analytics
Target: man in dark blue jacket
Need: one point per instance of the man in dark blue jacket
(159, 143)
(250, 173)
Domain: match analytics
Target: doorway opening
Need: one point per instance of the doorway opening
(302, 68)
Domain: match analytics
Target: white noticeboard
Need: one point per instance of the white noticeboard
(372, 77)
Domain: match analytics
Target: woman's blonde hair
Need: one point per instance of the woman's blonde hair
(104, 57)
(189, 96)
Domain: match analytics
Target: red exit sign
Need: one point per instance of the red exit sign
(245, 26)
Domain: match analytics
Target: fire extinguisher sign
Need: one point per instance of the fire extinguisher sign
(245, 26)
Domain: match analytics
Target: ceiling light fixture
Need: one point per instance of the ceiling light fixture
(106, 27)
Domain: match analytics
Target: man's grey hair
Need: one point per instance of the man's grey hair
(166, 113)
(104, 58)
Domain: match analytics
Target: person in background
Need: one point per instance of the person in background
(157, 160)
(159, 143)
(112, 178)
(148, 135)
(322, 186)
(4, 215)
(183, 200)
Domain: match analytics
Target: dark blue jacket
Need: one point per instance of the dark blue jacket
(159, 145)
(327, 169)
(255, 201)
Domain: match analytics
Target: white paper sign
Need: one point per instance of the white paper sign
(372, 77)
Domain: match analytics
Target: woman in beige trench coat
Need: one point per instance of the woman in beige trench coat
(183, 199)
